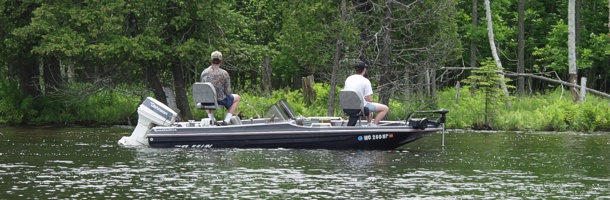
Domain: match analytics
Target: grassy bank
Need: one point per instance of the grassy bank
(552, 111)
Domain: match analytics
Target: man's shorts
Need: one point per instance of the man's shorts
(372, 107)
(227, 102)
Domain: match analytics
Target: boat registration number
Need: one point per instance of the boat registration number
(193, 146)
(375, 137)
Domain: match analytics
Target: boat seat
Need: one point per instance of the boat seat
(352, 104)
(205, 96)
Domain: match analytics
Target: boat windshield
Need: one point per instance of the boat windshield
(280, 111)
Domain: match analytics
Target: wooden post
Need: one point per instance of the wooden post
(457, 92)
(583, 88)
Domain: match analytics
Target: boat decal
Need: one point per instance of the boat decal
(159, 109)
(193, 146)
(375, 137)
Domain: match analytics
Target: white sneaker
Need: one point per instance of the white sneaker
(372, 125)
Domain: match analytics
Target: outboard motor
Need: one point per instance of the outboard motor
(150, 112)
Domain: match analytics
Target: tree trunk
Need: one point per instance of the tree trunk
(180, 90)
(521, 48)
(52, 74)
(266, 79)
(154, 83)
(336, 62)
(365, 7)
(572, 48)
(385, 69)
(492, 44)
(241, 79)
(29, 74)
(309, 93)
(253, 77)
(577, 23)
(473, 41)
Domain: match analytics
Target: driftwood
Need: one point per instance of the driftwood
(508, 73)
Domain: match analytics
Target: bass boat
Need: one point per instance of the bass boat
(279, 128)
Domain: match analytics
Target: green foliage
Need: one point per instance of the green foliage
(554, 54)
(103, 107)
(14, 106)
(113, 42)
(542, 112)
(553, 111)
(466, 112)
(305, 35)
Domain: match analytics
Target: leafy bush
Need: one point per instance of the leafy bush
(15, 108)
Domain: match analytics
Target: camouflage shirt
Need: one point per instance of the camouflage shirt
(220, 79)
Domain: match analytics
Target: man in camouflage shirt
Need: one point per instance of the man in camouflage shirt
(222, 84)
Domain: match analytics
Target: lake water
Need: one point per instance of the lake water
(87, 163)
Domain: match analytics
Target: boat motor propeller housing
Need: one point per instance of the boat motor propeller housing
(151, 112)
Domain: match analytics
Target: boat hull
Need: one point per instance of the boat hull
(286, 135)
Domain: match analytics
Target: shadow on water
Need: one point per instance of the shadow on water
(76, 163)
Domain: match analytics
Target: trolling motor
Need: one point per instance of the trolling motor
(422, 123)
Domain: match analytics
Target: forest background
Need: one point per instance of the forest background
(92, 62)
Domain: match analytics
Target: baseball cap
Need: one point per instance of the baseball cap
(361, 65)
(216, 55)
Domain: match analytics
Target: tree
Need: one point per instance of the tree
(404, 43)
(337, 58)
(487, 80)
(521, 48)
(17, 50)
(492, 44)
(473, 42)
(572, 48)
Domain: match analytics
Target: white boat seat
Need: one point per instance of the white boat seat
(205, 96)
(352, 104)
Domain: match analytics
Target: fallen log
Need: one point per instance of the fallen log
(508, 73)
(556, 81)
